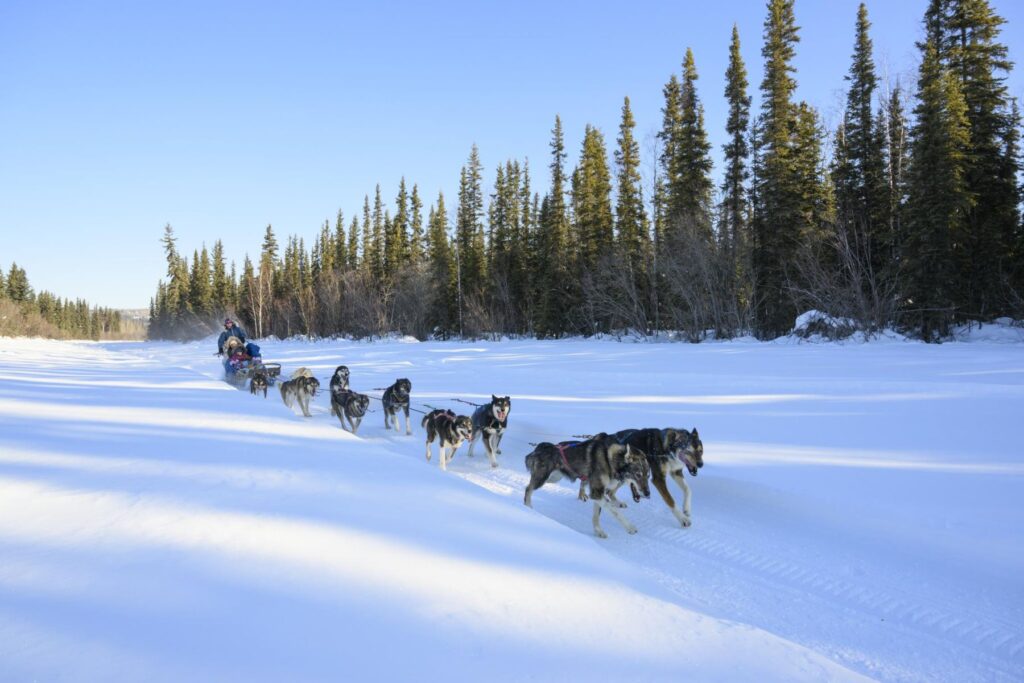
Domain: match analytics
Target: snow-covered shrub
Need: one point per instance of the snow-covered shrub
(817, 324)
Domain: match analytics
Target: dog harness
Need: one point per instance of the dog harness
(565, 461)
(447, 416)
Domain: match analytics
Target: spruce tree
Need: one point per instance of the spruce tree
(939, 199)
(690, 191)
(397, 237)
(340, 260)
(442, 306)
(553, 290)
(592, 202)
(631, 226)
(415, 252)
(469, 228)
(353, 244)
(200, 288)
(735, 233)
(18, 288)
(964, 35)
(859, 177)
(221, 294)
(777, 221)
(668, 178)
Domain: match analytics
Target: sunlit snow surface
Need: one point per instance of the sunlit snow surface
(860, 512)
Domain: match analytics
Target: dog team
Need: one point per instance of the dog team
(602, 463)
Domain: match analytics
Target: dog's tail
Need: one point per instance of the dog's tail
(425, 420)
(531, 460)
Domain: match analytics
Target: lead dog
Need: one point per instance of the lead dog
(668, 451)
(450, 429)
(301, 388)
(397, 397)
(490, 421)
(351, 406)
(600, 462)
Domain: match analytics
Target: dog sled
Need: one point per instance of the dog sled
(244, 372)
(243, 360)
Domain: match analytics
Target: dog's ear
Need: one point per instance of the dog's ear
(494, 399)
(694, 432)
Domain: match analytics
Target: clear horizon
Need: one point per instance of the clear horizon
(116, 118)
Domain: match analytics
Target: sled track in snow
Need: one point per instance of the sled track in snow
(713, 548)
(994, 635)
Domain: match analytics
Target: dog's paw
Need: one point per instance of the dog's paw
(631, 530)
(621, 505)
(494, 464)
(685, 521)
(600, 533)
(584, 497)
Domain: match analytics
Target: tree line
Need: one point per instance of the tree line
(44, 314)
(907, 215)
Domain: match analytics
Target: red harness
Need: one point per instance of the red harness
(565, 461)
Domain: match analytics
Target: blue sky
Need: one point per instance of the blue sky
(219, 118)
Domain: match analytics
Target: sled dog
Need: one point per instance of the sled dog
(600, 462)
(258, 383)
(450, 429)
(668, 451)
(490, 421)
(397, 397)
(300, 389)
(339, 380)
(351, 406)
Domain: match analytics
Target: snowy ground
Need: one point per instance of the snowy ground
(860, 512)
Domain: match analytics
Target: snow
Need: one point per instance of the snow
(860, 514)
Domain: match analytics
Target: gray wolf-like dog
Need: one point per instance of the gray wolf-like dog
(349, 405)
(450, 429)
(301, 388)
(396, 397)
(600, 462)
(668, 451)
(490, 421)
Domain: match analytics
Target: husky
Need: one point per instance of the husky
(300, 389)
(351, 406)
(258, 383)
(339, 380)
(600, 462)
(397, 397)
(450, 429)
(490, 421)
(667, 452)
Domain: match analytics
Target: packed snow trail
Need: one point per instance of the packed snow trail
(156, 525)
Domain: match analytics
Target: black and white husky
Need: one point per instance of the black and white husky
(668, 451)
(301, 388)
(396, 397)
(351, 406)
(490, 421)
(258, 383)
(450, 429)
(339, 380)
(600, 462)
